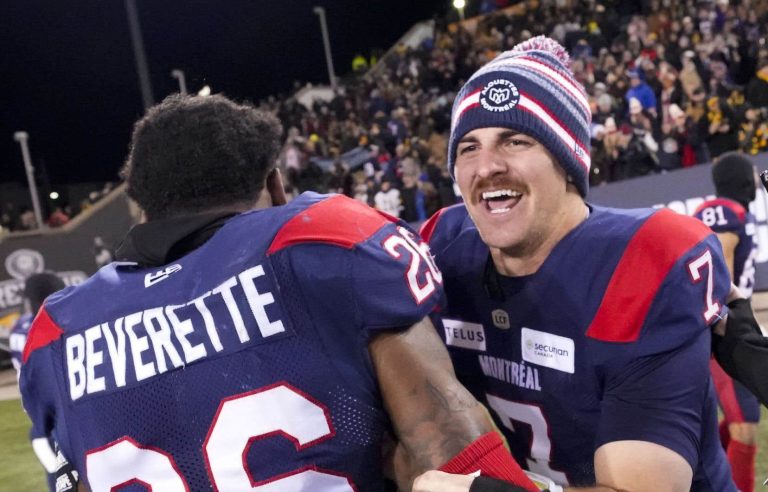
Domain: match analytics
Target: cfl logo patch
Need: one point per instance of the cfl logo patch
(500, 319)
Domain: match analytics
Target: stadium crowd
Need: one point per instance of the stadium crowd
(670, 85)
(21, 218)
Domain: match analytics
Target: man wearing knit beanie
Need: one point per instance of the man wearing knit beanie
(735, 179)
(586, 330)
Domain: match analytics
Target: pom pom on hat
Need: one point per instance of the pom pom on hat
(529, 89)
(543, 43)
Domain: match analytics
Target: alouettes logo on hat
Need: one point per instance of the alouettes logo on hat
(499, 95)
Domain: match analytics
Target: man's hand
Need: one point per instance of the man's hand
(437, 481)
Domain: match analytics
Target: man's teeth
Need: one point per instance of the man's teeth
(500, 193)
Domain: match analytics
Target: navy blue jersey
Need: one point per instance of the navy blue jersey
(244, 363)
(724, 215)
(609, 340)
(18, 337)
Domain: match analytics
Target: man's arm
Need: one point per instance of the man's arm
(436, 420)
(641, 466)
(729, 241)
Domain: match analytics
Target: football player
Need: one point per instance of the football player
(585, 329)
(735, 180)
(241, 341)
(37, 287)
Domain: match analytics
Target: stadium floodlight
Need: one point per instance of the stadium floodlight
(320, 12)
(205, 91)
(459, 5)
(179, 75)
(22, 138)
(137, 42)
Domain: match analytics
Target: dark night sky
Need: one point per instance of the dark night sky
(67, 70)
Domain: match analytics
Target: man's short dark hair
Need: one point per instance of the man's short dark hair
(191, 154)
(38, 286)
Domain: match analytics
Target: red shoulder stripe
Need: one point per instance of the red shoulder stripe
(735, 207)
(428, 227)
(43, 331)
(338, 220)
(651, 253)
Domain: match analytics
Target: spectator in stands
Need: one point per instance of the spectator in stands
(689, 74)
(57, 218)
(387, 199)
(722, 132)
(102, 255)
(672, 139)
(756, 91)
(641, 91)
(691, 138)
(27, 220)
(667, 52)
(671, 92)
(637, 152)
(360, 191)
(340, 181)
(605, 109)
(413, 200)
(601, 163)
(9, 217)
(753, 134)
(639, 118)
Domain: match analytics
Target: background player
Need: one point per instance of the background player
(244, 342)
(36, 288)
(735, 179)
(585, 329)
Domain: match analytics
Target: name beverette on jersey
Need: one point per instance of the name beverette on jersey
(517, 373)
(148, 336)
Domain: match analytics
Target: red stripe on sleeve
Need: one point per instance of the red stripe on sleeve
(43, 331)
(650, 255)
(428, 227)
(338, 220)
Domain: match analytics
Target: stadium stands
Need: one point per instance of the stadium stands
(670, 85)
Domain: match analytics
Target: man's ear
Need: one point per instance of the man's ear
(276, 188)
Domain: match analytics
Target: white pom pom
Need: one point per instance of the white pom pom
(543, 43)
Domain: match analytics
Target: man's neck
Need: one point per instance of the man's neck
(528, 259)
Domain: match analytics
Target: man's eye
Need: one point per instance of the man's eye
(516, 142)
(467, 148)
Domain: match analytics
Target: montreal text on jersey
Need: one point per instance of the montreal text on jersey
(510, 372)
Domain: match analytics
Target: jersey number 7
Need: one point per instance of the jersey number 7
(695, 267)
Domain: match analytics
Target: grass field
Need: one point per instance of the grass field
(20, 471)
(19, 468)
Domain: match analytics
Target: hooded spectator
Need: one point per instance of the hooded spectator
(641, 91)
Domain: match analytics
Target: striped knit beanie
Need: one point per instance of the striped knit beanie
(529, 89)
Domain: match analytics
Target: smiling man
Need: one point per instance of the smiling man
(585, 329)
